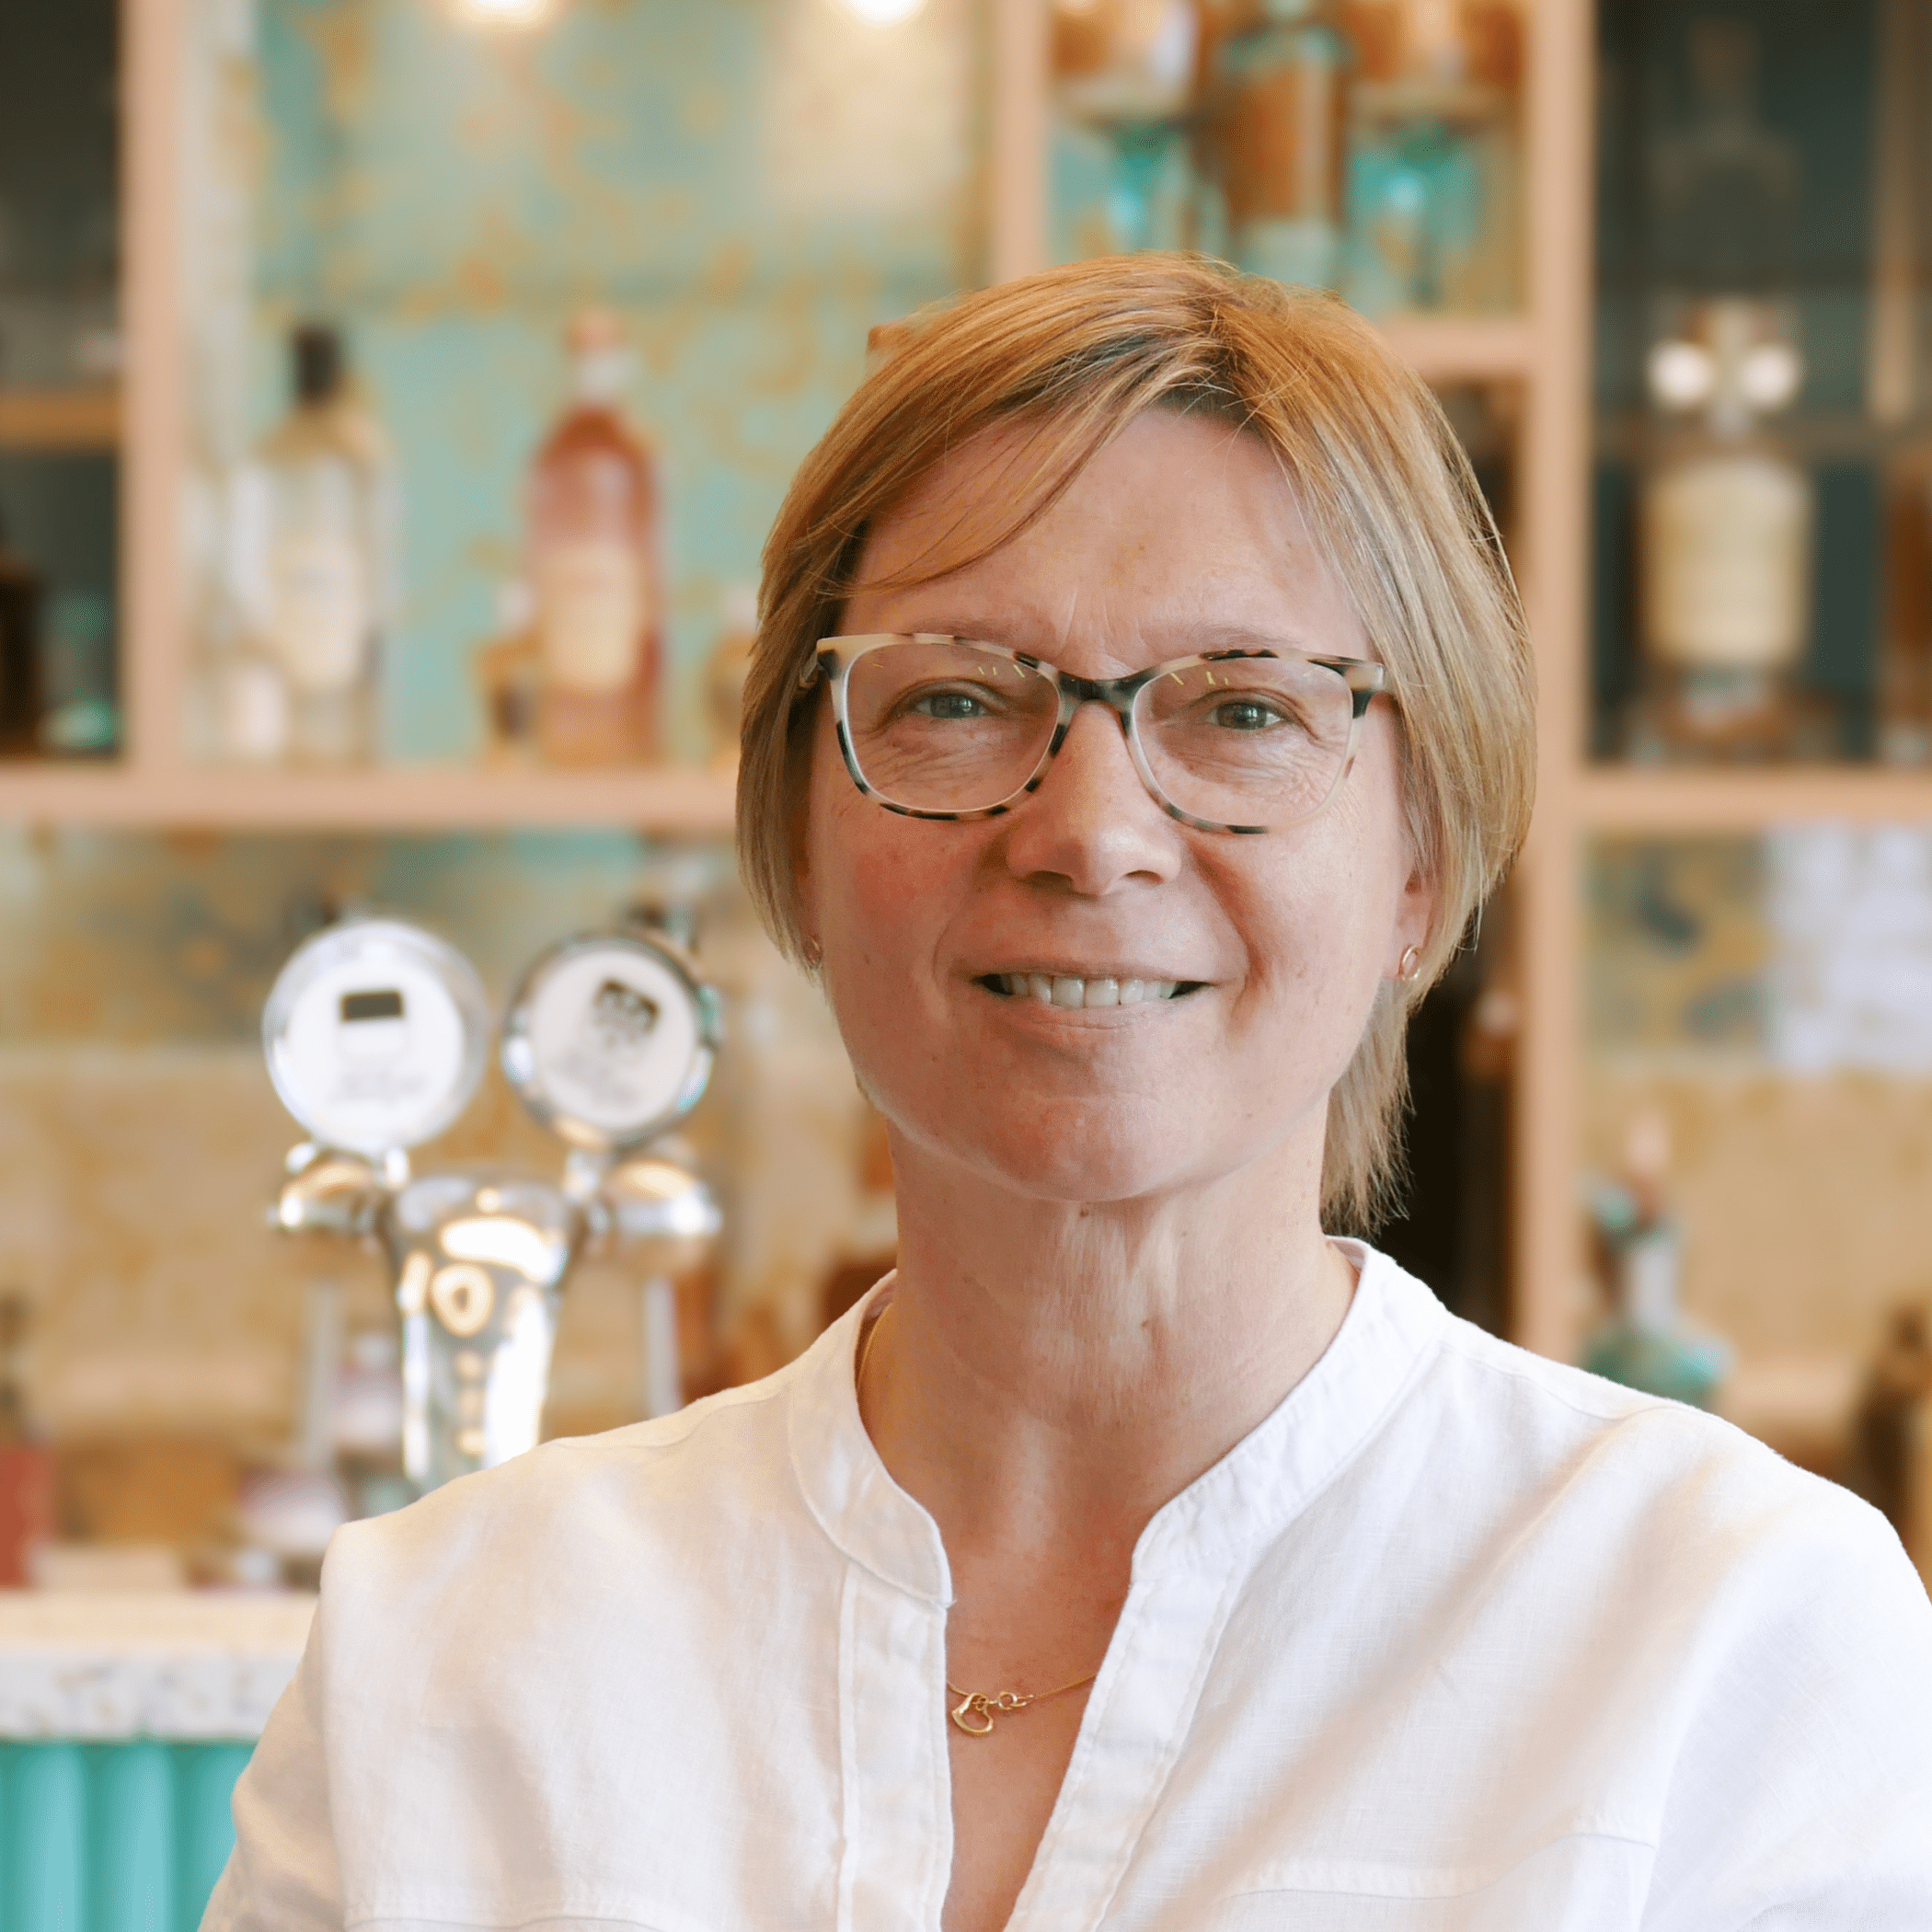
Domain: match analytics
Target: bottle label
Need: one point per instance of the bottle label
(1728, 563)
(592, 609)
(319, 610)
(1286, 143)
(252, 712)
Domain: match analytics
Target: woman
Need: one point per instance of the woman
(1142, 710)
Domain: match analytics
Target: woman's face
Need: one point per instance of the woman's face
(1181, 537)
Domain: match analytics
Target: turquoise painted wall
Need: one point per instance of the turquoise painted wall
(750, 184)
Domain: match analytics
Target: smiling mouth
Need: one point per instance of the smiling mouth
(1063, 990)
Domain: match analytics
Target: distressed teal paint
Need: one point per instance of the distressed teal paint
(137, 940)
(451, 196)
(119, 1837)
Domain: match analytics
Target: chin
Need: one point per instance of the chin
(1065, 1153)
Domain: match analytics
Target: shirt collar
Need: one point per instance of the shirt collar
(1392, 1325)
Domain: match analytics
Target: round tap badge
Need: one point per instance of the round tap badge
(376, 1034)
(609, 1040)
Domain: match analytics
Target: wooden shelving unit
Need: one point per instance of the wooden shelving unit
(152, 784)
(1545, 351)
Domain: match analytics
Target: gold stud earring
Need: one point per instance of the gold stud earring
(1411, 963)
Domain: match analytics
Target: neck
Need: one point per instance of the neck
(1055, 1372)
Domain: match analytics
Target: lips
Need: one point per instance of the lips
(1072, 991)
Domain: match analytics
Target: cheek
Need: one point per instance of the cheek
(1316, 917)
(878, 892)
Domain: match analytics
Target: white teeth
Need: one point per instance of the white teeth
(1068, 990)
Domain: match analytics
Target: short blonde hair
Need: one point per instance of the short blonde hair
(1077, 353)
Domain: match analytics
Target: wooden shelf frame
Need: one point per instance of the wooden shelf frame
(60, 420)
(1676, 803)
(673, 801)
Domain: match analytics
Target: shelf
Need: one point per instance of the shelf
(671, 799)
(1450, 349)
(59, 418)
(1672, 801)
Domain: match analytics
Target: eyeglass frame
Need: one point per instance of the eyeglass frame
(834, 657)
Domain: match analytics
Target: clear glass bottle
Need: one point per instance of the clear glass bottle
(595, 570)
(1282, 92)
(316, 505)
(1725, 540)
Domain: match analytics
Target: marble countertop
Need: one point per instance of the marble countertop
(173, 1664)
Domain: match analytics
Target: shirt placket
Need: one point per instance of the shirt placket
(1136, 1720)
(897, 1855)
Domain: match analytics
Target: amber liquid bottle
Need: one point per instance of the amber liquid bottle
(594, 567)
(1282, 95)
(1904, 693)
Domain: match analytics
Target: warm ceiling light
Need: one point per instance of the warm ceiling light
(505, 13)
(882, 13)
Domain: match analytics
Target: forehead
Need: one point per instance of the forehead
(1179, 525)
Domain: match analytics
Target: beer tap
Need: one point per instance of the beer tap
(377, 1034)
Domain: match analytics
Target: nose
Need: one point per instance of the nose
(1092, 827)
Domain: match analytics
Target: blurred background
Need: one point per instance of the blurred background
(394, 397)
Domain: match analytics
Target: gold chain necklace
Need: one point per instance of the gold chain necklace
(975, 1710)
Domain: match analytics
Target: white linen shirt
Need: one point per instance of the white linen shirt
(1456, 1640)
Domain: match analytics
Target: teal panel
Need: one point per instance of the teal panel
(205, 1822)
(131, 1862)
(121, 1837)
(44, 1832)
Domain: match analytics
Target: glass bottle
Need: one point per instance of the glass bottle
(508, 671)
(318, 526)
(1646, 1345)
(1281, 97)
(1904, 682)
(594, 506)
(1725, 538)
(1434, 167)
(1126, 69)
(19, 654)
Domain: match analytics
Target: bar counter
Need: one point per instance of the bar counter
(124, 1722)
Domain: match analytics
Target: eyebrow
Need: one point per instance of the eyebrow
(1182, 639)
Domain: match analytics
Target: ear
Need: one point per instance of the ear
(1413, 923)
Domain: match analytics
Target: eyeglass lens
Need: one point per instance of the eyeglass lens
(940, 725)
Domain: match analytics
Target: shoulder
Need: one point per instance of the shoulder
(574, 1511)
(1681, 1496)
